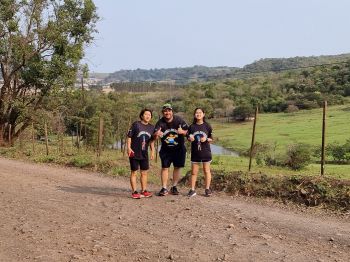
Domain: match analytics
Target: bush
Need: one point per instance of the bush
(298, 156)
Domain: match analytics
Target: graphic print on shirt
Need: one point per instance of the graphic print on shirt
(198, 135)
(170, 137)
(145, 136)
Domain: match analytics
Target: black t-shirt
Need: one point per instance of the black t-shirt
(171, 140)
(141, 136)
(200, 150)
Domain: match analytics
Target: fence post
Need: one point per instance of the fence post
(10, 131)
(100, 137)
(323, 137)
(33, 138)
(126, 137)
(46, 139)
(253, 139)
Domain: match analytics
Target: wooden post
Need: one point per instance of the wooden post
(253, 139)
(100, 136)
(33, 138)
(46, 139)
(10, 131)
(323, 137)
(126, 136)
(157, 145)
(78, 137)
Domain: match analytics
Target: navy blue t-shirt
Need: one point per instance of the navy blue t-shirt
(141, 136)
(200, 151)
(171, 140)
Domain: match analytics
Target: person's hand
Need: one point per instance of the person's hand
(191, 138)
(130, 152)
(159, 133)
(203, 139)
(180, 131)
(209, 140)
(152, 155)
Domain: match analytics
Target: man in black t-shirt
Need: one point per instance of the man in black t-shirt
(172, 130)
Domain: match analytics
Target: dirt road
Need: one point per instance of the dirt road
(59, 214)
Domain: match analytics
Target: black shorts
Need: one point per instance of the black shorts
(207, 160)
(177, 157)
(136, 164)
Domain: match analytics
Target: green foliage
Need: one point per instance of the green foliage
(339, 152)
(243, 112)
(311, 191)
(41, 45)
(81, 161)
(299, 156)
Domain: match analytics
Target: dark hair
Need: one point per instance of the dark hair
(145, 110)
(194, 118)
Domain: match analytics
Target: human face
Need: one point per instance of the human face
(168, 114)
(199, 115)
(147, 116)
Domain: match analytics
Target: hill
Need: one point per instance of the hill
(179, 75)
(202, 73)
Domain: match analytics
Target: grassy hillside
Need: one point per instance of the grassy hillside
(187, 75)
(286, 128)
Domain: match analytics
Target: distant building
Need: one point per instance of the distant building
(107, 89)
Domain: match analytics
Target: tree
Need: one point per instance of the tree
(41, 44)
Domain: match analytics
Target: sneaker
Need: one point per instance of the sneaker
(174, 191)
(191, 193)
(136, 195)
(146, 193)
(208, 192)
(163, 192)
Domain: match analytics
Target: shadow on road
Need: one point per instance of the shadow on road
(104, 191)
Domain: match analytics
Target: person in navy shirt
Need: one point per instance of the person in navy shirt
(172, 130)
(200, 135)
(139, 137)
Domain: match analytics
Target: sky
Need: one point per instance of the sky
(151, 34)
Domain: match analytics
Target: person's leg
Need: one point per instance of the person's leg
(133, 180)
(194, 174)
(193, 179)
(207, 178)
(144, 192)
(178, 159)
(134, 166)
(165, 158)
(164, 173)
(176, 175)
(207, 174)
(143, 180)
(144, 166)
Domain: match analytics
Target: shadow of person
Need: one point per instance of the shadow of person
(103, 191)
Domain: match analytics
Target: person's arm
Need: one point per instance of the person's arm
(189, 136)
(151, 145)
(157, 131)
(210, 138)
(183, 128)
(130, 152)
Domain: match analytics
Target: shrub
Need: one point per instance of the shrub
(298, 156)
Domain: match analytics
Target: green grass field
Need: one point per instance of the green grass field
(282, 129)
(286, 128)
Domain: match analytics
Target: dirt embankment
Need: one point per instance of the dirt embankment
(61, 214)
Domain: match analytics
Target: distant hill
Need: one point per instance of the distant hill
(179, 75)
(202, 73)
(98, 75)
(278, 64)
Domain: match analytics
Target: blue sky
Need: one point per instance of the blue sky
(179, 33)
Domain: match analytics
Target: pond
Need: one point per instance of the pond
(219, 150)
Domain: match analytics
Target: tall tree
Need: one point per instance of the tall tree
(41, 44)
